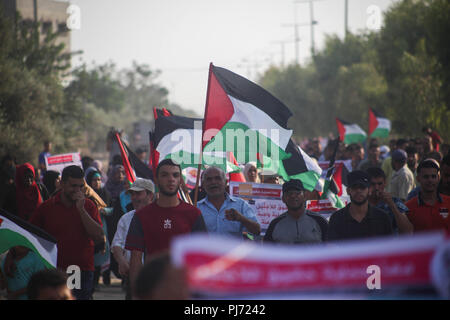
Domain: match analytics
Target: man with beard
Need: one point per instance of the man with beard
(75, 223)
(358, 219)
(429, 210)
(155, 225)
(385, 201)
(222, 213)
(297, 225)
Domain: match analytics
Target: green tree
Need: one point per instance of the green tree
(31, 96)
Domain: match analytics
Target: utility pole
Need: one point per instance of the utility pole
(296, 37)
(346, 18)
(312, 22)
(282, 43)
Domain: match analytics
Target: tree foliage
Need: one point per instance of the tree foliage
(35, 106)
(403, 71)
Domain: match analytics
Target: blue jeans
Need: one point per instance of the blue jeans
(87, 284)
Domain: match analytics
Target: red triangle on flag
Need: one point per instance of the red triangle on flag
(341, 129)
(219, 108)
(373, 122)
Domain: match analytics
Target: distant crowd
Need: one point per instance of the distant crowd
(105, 224)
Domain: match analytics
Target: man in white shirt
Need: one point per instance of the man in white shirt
(142, 193)
(402, 180)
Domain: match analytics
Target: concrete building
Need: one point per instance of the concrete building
(51, 14)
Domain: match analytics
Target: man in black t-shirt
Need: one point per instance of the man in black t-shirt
(358, 219)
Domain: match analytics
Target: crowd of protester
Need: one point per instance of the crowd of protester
(105, 224)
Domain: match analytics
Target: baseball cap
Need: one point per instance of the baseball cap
(358, 177)
(142, 184)
(268, 173)
(399, 155)
(293, 184)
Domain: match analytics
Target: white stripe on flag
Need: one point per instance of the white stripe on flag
(256, 119)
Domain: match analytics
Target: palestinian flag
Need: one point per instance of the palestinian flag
(379, 126)
(243, 118)
(350, 132)
(154, 160)
(17, 232)
(299, 166)
(330, 189)
(179, 138)
(134, 167)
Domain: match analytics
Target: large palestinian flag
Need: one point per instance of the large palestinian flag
(17, 232)
(243, 118)
(179, 138)
(350, 132)
(379, 126)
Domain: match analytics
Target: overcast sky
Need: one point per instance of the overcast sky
(181, 37)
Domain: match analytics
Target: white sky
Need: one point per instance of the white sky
(181, 38)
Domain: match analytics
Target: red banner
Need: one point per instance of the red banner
(221, 266)
(60, 159)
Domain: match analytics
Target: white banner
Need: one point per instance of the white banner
(264, 198)
(60, 161)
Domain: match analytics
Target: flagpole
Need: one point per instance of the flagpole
(201, 142)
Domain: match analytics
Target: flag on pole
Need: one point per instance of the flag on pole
(153, 161)
(179, 138)
(126, 163)
(299, 166)
(330, 190)
(17, 232)
(350, 132)
(134, 167)
(379, 126)
(243, 118)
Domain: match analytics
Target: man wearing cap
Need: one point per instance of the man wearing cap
(142, 193)
(429, 210)
(297, 225)
(358, 219)
(224, 214)
(402, 181)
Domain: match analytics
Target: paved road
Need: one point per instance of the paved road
(112, 292)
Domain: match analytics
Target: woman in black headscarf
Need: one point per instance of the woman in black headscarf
(52, 181)
(116, 178)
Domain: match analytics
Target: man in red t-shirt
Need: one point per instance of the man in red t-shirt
(430, 209)
(76, 225)
(155, 225)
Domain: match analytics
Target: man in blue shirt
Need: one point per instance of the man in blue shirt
(43, 154)
(222, 213)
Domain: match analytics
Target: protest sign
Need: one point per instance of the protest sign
(264, 198)
(323, 207)
(60, 161)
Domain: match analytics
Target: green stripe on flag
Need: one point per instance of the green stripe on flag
(10, 238)
(246, 143)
